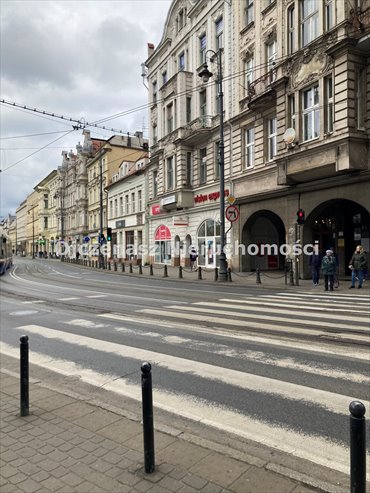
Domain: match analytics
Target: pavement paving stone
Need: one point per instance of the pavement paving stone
(52, 484)
(29, 486)
(209, 467)
(194, 481)
(251, 481)
(212, 488)
(96, 420)
(120, 432)
(74, 410)
(59, 471)
(17, 478)
(186, 455)
(170, 484)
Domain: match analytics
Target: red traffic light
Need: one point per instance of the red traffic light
(300, 216)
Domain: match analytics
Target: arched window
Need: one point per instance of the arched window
(209, 242)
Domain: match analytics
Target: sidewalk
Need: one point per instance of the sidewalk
(70, 445)
(268, 279)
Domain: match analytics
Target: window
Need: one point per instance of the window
(140, 200)
(329, 14)
(249, 147)
(127, 201)
(110, 212)
(272, 133)
(164, 77)
(45, 223)
(182, 61)
(169, 118)
(155, 183)
(203, 103)
(249, 63)
(170, 173)
(329, 108)
(188, 110)
(115, 207)
(202, 48)
(154, 91)
(133, 202)
(155, 136)
(121, 211)
(209, 243)
(203, 165)
(217, 160)
(189, 169)
(271, 57)
(249, 12)
(309, 20)
(291, 112)
(360, 97)
(181, 20)
(46, 201)
(311, 113)
(291, 30)
(219, 34)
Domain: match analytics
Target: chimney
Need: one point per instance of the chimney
(150, 49)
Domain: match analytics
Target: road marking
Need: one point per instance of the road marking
(254, 325)
(85, 323)
(97, 296)
(68, 299)
(317, 450)
(334, 325)
(32, 302)
(325, 400)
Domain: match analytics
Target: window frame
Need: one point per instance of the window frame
(313, 113)
(249, 12)
(202, 48)
(329, 104)
(271, 138)
(309, 23)
(270, 59)
(182, 61)
(202, 165)
(219, 33)
(249, 145)
(170, 173)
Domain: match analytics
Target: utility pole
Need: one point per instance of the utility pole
(101, 257)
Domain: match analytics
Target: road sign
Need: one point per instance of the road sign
(232, 213)
(231, 199)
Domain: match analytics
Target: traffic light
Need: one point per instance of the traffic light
(300, 216)
(109, 234)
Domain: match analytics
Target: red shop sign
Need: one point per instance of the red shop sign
(162, 233)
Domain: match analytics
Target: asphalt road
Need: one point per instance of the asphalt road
(275, 367)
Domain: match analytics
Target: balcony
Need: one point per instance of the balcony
(197, 131)
(181, 199)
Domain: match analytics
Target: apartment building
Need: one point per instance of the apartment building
(296, 83)
(33, 224)
(126, 212)
(46, 190)
(21, 228)
(100, 171)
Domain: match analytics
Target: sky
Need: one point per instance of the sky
(80, 59)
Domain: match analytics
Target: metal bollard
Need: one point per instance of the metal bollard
(291, 275)
(130, 271)
(140, 269)
(358, 447)
(258, 276)
(165, 274)
(200, 273)
(148, 428)
(151, 270)
(216, 274)
(180, 272)
(24, 377)
(229, 274)
(123, 267)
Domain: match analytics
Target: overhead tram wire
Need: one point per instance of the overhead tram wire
(33, 135)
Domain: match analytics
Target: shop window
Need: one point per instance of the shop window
(208, 245)
(162, 241)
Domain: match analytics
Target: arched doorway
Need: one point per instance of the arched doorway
(162, 239)
(339, 224)
(263, 228)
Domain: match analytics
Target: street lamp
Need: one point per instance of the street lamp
(205, 75)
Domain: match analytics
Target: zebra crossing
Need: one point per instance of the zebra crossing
(209, 367)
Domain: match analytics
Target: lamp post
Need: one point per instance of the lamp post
(33, 230)
(205, 74)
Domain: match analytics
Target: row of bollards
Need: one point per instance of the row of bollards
(356, 408)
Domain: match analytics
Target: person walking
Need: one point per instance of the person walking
(193, 257)
(328, 267)
(358, 266)
(315, 264)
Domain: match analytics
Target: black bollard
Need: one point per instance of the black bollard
(151, 270)
(130, 269)
(258, 276)
(291, 275)
(148, 428)
(229, 274)
(140, 269)
(358, 447)
(216, 274)
(200, 273)
(180, 272)
(24, 376)
(123, 267)
(165, 274)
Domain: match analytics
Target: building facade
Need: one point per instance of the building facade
(296, 83)
(21, 226)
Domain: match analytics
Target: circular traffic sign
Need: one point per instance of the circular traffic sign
(232, 213)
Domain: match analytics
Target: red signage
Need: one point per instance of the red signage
(162, 233)
(156, 209)
(198, 199)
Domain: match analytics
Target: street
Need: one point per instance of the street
(274, 366)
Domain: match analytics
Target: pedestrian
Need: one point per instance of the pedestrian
(315, 265)
(358, 266)
(193, 257)
(328, 267)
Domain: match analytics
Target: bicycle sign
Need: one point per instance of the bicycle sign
(232, 213)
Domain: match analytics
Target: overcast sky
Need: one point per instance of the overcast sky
(79, 59)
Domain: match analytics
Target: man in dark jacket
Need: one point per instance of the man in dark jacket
(315, 264)
(358, 265)
(328, 267)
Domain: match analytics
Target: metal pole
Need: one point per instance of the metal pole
(24, 376)
(148, 428)
(33, 233)
(222, 275)
(358, 447)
